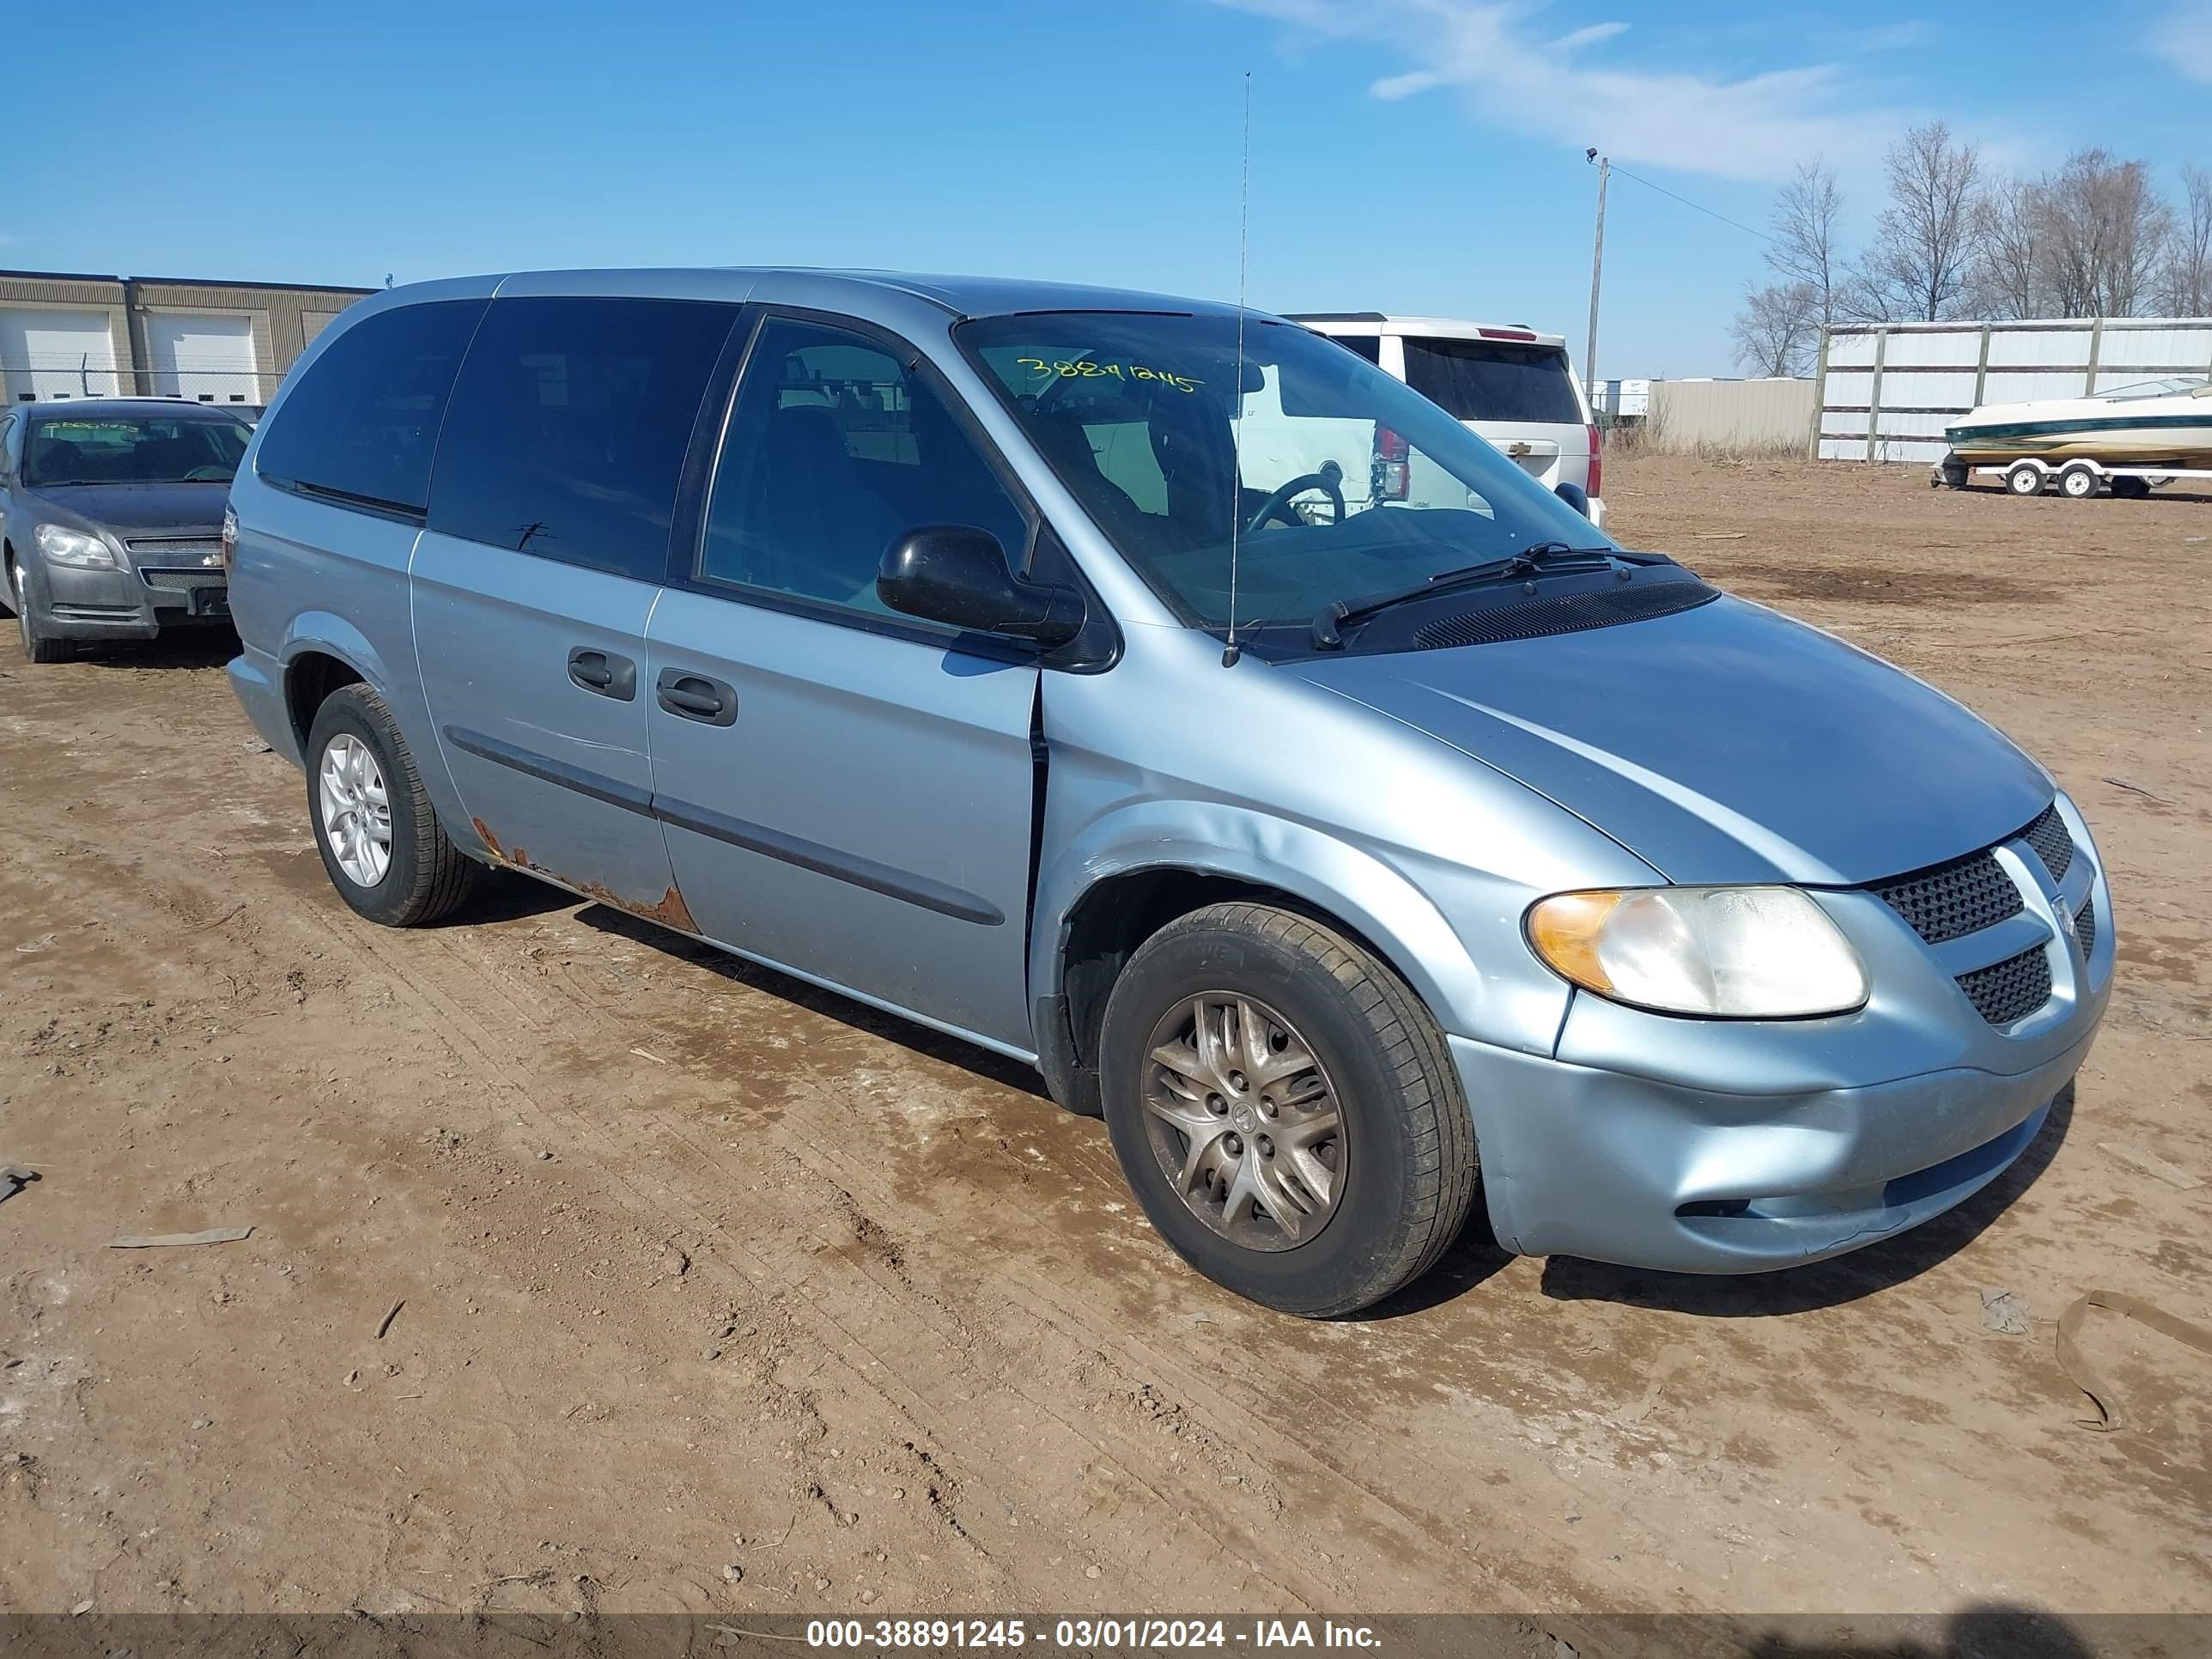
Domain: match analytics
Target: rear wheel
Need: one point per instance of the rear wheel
(2078, 483)
(1285, 1109)
(381, 843)
(2026, 478)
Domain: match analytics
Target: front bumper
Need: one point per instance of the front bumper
(1578, 1161)
(133, 603)
(1735, 1146)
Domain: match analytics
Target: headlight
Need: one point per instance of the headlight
(1736, 952)
(64, 546)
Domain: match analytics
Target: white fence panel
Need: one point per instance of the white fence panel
(2048, 346)
(1921, 388)
(2168, 348)
(1886, 391)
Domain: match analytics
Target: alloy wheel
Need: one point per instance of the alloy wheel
(357, 810)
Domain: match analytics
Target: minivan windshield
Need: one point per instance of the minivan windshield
(68, 449)
(1340, 482)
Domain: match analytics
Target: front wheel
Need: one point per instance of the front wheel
(1285, 1109)
(2026, 478)
(382, 845)
(38, 647)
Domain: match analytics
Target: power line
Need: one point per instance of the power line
(1687, 202)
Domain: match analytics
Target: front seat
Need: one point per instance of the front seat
(821, 527)
(56, 460)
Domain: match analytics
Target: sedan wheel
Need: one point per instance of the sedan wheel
(357, 809)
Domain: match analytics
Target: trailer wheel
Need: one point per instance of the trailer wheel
(2078, 482)
(2026, 478)
(2132, 489)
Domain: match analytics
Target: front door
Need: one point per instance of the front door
(845, 792)
(547, 543)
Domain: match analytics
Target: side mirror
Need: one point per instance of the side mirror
(957, 574)
(1574, 496)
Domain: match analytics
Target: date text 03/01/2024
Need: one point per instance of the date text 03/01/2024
(1087, 1634)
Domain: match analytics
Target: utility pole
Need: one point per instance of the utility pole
(1597, 268)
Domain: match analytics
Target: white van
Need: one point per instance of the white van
(1510, 384)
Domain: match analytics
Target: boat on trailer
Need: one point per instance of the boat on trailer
(2130, 440)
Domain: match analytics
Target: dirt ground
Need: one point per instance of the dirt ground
(715, 1292)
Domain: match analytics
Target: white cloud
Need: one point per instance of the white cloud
(1754, 126)
(1588, 37)
(2184, 38)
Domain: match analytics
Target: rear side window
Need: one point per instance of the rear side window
(362, 421)
(1493, 379)
(1366, 346)
(568, 429)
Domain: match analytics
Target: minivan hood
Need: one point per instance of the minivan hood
(130, 508)
(1726, 744)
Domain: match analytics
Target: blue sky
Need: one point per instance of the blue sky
(1420, 156)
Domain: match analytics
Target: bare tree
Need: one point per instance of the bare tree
(1917, 267)
(1778, 329)
(2006, 277)
(1807, 245)
(2185, 281)
(2106, 233)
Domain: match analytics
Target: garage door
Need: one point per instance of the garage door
(210, 358)
(57, 353)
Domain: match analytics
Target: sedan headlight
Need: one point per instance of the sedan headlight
(63, 545)
(1732, 953)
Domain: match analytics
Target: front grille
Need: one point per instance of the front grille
(2048, 836)
(184, 581)
(1954, 899)
(2011, 989)
(2085, 929)
(1565, 613)
(176, 547)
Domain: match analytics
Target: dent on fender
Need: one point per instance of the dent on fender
(1211, 838)
(669, 911)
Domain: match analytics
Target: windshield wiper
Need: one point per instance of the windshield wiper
(1329, 621)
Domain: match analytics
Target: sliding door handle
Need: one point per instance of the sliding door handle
(696, 698)
(604, 673)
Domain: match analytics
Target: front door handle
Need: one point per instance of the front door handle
(603, 673)
(696, 698)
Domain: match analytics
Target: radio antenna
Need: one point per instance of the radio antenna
(1236, 440)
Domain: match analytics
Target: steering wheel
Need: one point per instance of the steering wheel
(1329, 480)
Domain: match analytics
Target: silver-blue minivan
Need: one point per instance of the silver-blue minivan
(998, 653)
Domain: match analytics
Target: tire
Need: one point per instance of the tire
(423, 875)
(1400, 1170)
(37, 646)
(2025, 478)
(2131, 489)
(2078, 483)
